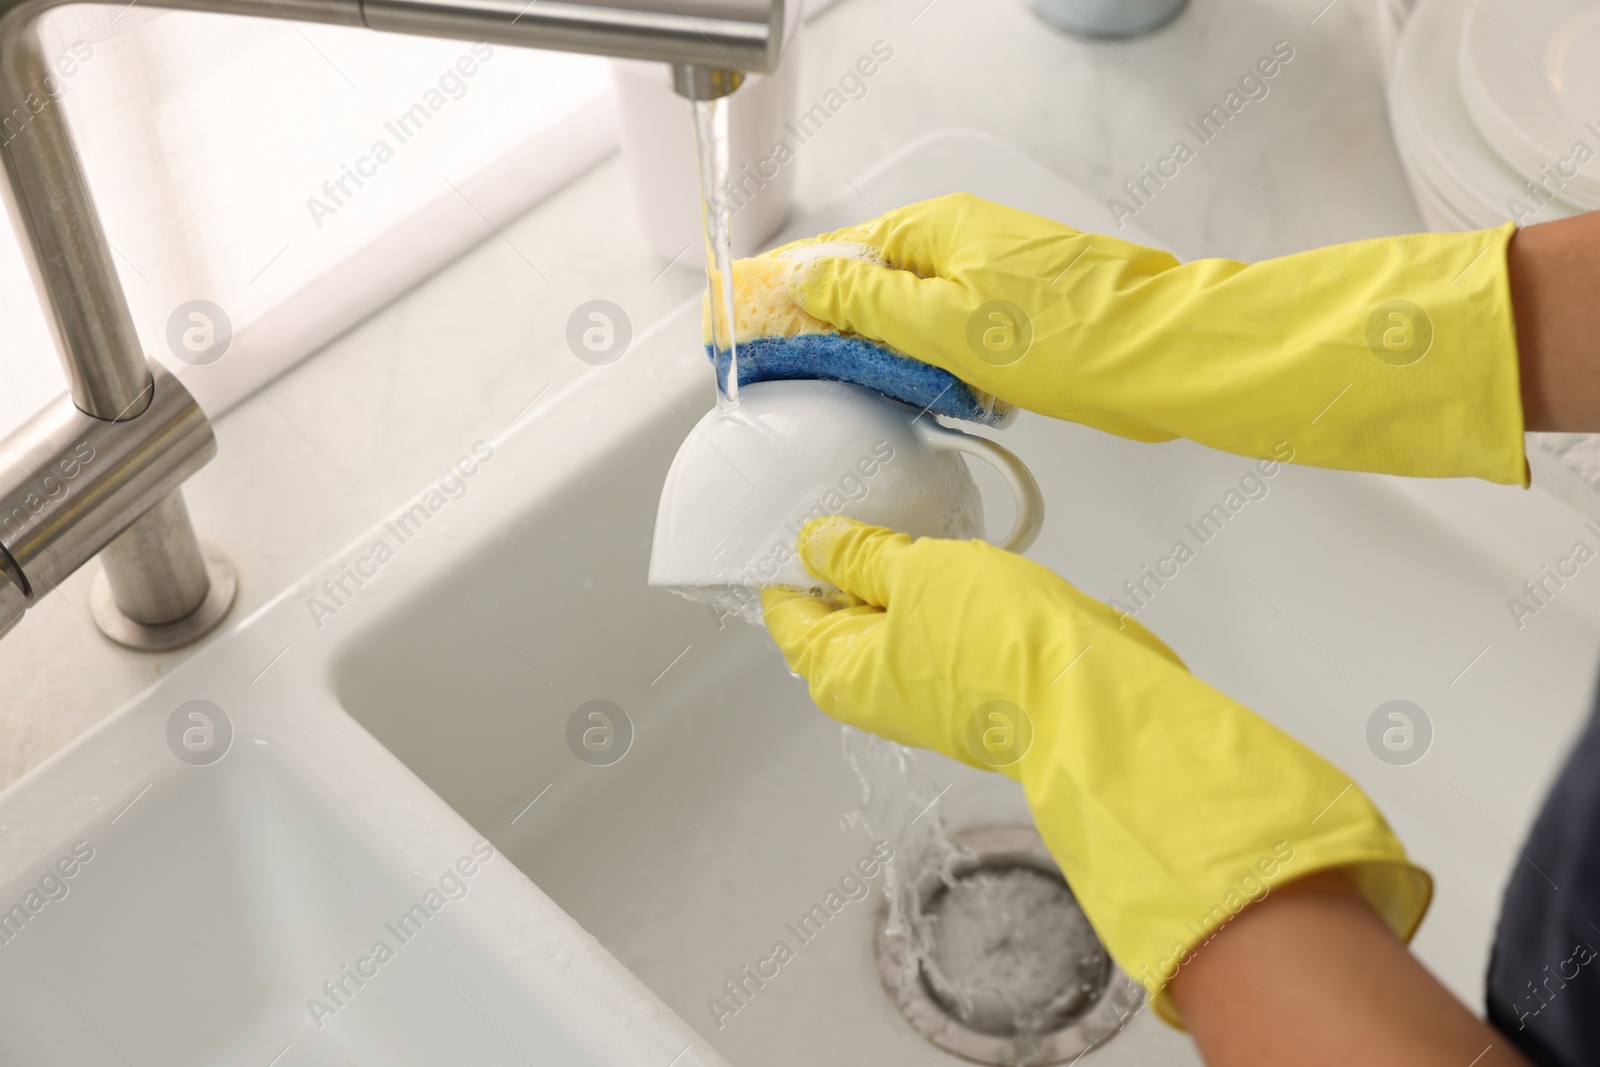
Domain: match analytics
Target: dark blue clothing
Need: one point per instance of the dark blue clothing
(1544, 975)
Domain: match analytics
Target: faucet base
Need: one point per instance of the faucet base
(128, 632)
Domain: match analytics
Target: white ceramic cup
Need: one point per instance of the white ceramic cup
(744, 482)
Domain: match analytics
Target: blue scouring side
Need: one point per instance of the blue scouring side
(858, 361)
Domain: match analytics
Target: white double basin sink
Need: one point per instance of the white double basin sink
(373, 824)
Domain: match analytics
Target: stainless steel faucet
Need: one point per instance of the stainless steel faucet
(99, 470)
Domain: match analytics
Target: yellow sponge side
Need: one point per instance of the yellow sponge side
(762, 305)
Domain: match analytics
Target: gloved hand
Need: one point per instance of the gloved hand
(1168, 805)
(1395, 355)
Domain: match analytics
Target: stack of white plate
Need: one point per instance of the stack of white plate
(1495, 108)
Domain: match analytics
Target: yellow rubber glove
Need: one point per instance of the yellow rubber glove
(1395, 355)
(1168, 805)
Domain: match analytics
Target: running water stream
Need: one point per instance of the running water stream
(891, 809)
(894, 809)
(1000, 947)
(711, 141)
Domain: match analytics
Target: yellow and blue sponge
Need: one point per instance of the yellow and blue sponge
(777, 341)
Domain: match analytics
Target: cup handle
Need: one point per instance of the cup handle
(1030, 501)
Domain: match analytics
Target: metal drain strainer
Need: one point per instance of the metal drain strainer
(1008, 969)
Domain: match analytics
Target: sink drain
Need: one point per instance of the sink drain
(1003, 966)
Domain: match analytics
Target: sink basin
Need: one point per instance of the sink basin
(579, 812)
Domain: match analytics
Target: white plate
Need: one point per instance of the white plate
(1438, 141)
(1530, 77)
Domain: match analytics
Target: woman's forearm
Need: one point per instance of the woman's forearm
(1555, 296)
(1311, 976)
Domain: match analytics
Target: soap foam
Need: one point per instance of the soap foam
(762, 286)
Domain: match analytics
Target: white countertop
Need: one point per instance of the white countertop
(325, 450)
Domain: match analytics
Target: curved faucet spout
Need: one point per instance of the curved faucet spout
(716, 42)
